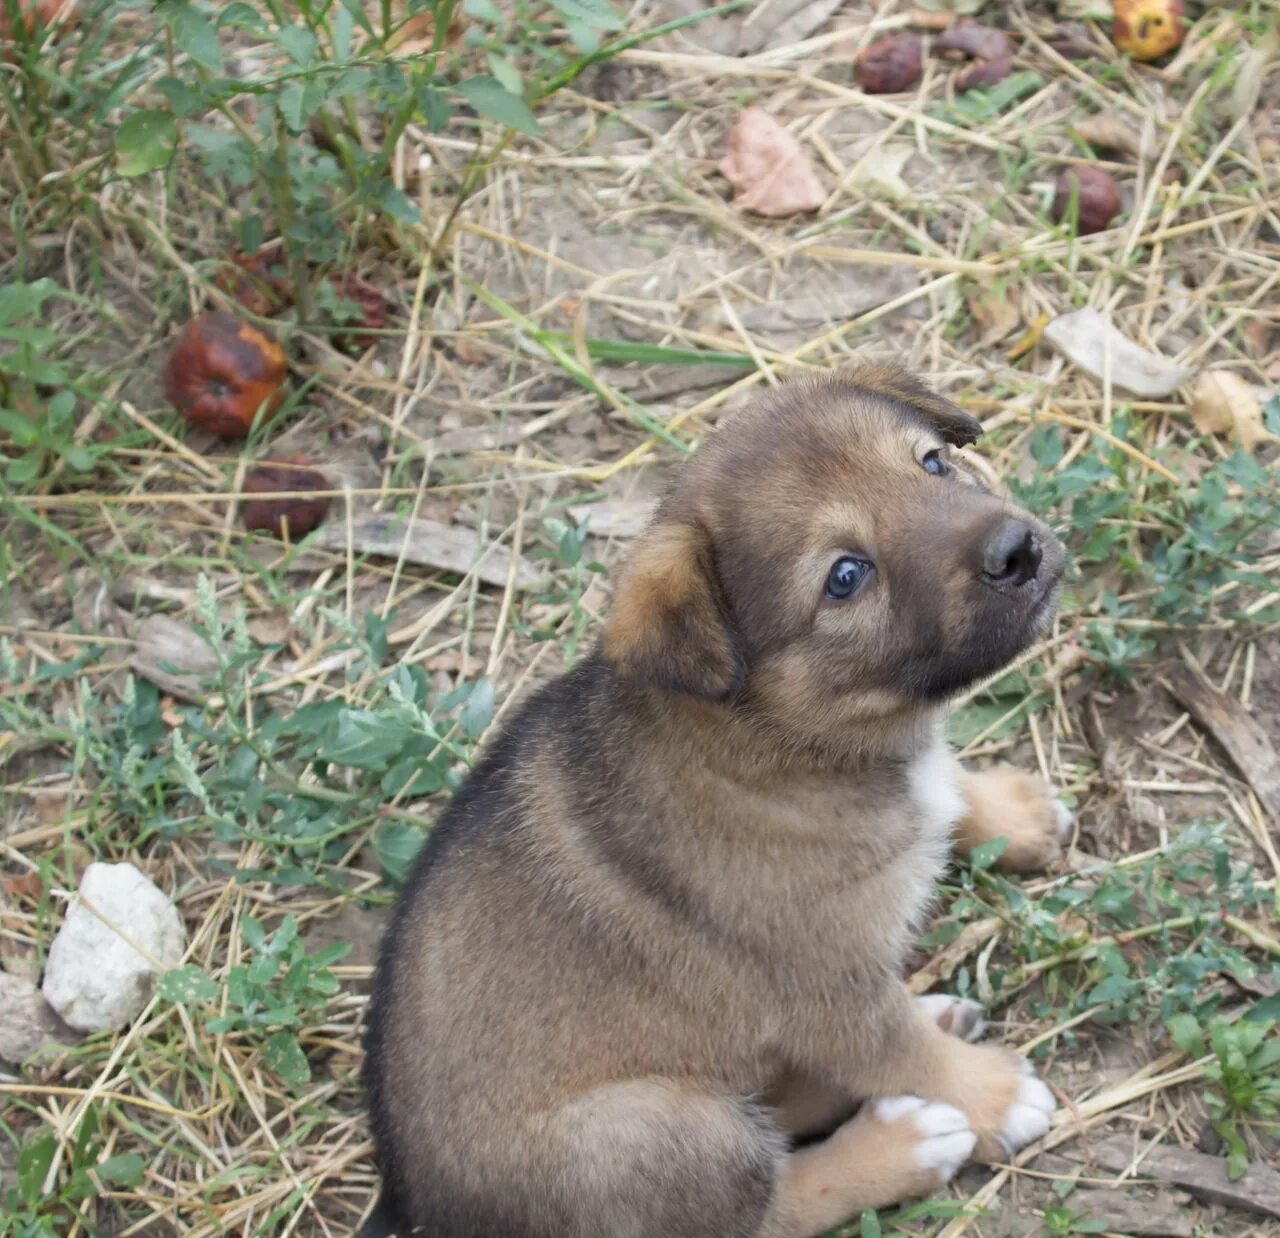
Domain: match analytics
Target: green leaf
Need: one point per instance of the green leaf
(24, 469)
(182, 100)
(123, 1170)
(413, 777)
(363, 739)
(1265, 1011)
(194, 34)
(146, 141)
(396, 203)
(594, 13)
(33, 1164)
(186, 986)
(283, 1056)
(79, 459)
(397, 845)
(435, 108)
(984, 855)
(263, 969)
(292, 102)
(477, 713)
(252, 933)
(869, 1225)
(298, 43)
(493, 100)
(23, 431)
(506, 73)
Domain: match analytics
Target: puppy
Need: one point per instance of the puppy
(659, 933)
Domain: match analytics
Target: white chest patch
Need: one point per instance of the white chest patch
(935, 790)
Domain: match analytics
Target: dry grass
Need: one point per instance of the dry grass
(615, 226)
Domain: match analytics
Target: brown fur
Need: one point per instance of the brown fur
(659, 931)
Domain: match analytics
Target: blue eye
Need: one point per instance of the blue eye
(846, 577)
(934, 463)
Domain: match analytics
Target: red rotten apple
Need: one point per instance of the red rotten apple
(889, 65)
(34, 15)
(275, 512)
(222, 371)
(1097, 199)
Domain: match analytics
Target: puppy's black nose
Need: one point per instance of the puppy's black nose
(1011, 554)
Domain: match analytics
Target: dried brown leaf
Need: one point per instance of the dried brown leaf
(769, 172)
(1224, 403)
(1089, 340)
(1110, 133)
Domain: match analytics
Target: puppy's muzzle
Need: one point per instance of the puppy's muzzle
(1011, 555)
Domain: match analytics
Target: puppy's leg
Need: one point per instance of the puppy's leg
(1007, 803)
(995, 1088)
(897, 1148)
(650, 1157)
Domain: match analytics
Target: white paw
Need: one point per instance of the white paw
(956, 1015)
(1028, 1116)
(946, 1141)
(1065, 818)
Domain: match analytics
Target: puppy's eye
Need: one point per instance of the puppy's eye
(846, 577)
(932, 462)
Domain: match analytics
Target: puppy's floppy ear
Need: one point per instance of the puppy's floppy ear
(953, 423)
(669, 628)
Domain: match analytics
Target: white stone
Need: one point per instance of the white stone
(101, 967)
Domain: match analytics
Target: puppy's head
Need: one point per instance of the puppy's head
(825, 560)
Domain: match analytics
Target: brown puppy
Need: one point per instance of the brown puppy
(660, 930)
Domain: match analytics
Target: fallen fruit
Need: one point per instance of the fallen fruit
(258, 281)
(222, 371)
(974, 40)
(889, 65)
(36, 16)
(366, 313)
(1146, 29)
(276, 513)
(985, 73)
(1097, 197)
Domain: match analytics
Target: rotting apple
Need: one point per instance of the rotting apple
(1147, 29)
(223, 373)
(279, 510)
(1097, 198)
(36, 16)
(889, 65)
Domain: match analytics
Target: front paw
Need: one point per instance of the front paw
(1007, 1106)
(1025, 809)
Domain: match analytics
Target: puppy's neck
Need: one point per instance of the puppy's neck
(746, 746)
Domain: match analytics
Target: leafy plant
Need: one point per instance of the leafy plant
(37, 393)
(279, 991)
(29, 1211)
(1245, 1071)
(1186, 549)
